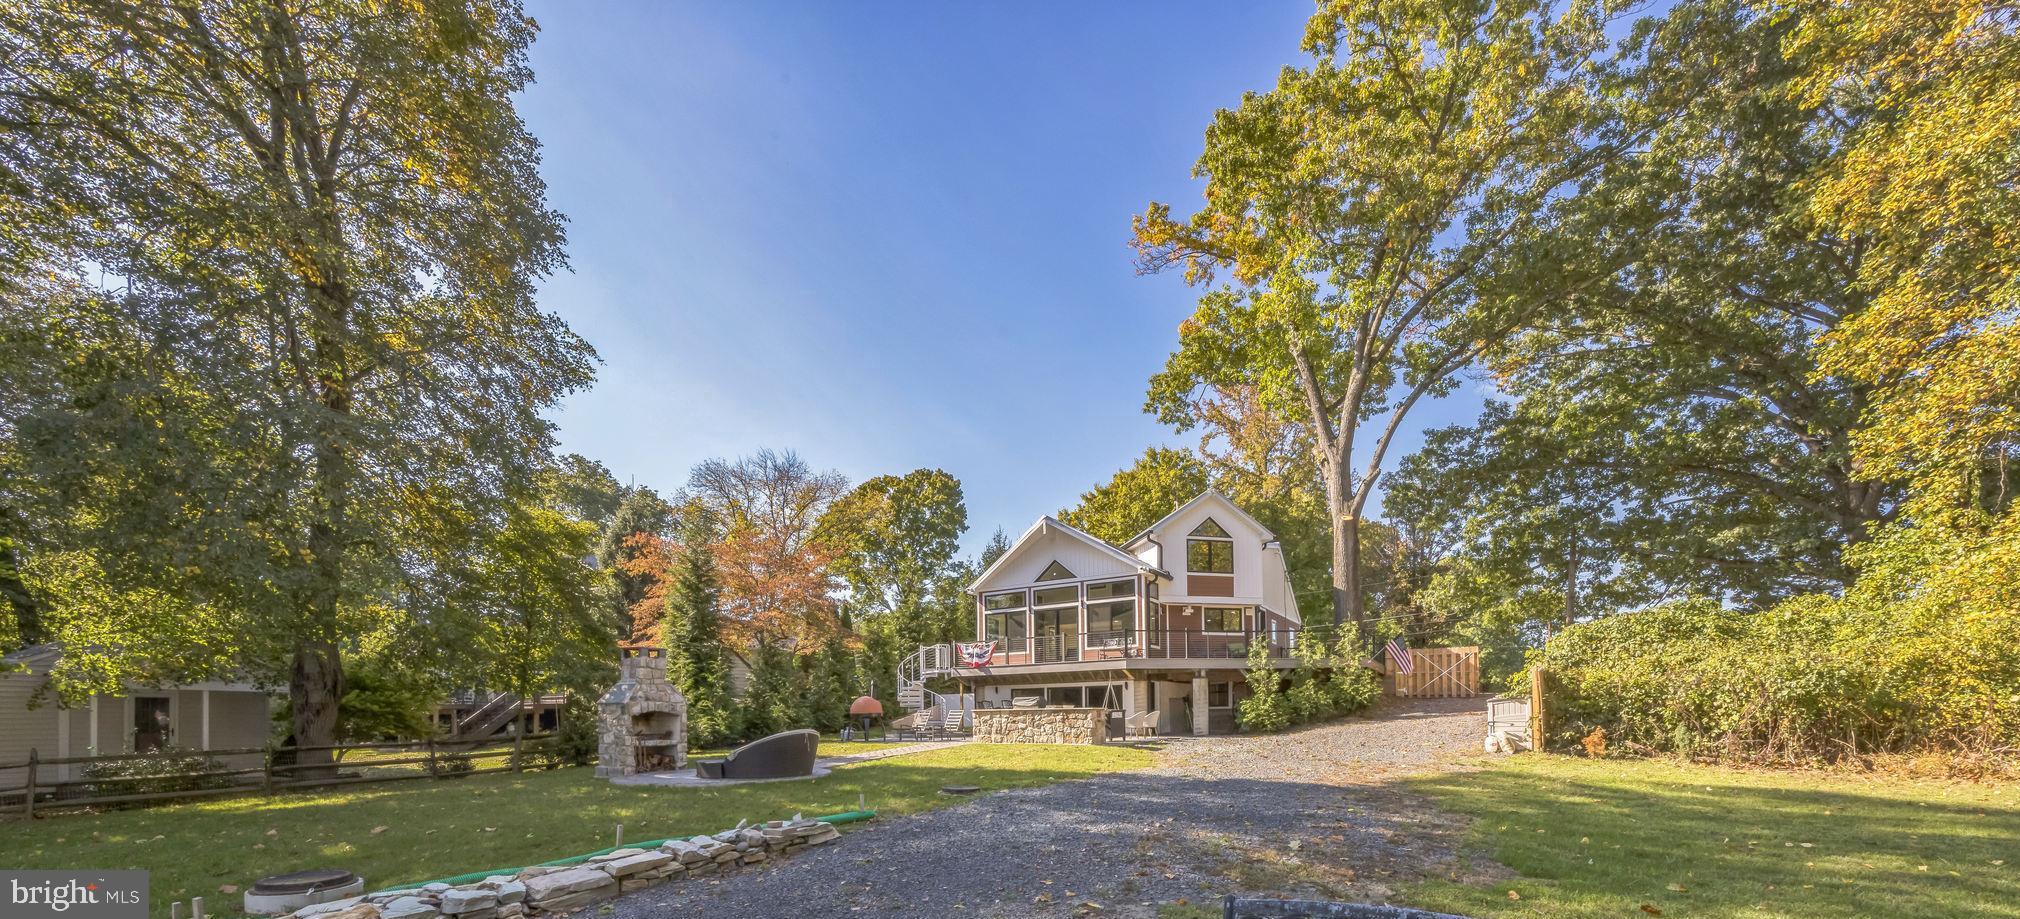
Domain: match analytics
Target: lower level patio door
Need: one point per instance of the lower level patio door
(1057, 636)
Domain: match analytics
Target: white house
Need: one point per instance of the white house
(1163, 622)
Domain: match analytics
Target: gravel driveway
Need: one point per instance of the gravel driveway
(1309, 812)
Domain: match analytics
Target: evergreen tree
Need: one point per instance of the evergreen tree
(775, 701)
(696, 660)
(829, 676)
(641, 513)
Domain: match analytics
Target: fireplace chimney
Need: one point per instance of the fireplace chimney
(641, 723)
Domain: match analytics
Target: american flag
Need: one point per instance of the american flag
(1399, 656)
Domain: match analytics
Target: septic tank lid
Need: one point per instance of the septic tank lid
(304, 881)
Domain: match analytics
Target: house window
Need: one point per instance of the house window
(1209, 550)
(1221, 618)
(1063, 695)
(1220, 695)
(1003, 619)
(1007, 628)
(1107, 590)
(1055, 572)
(1110, 624)
(1055, 596)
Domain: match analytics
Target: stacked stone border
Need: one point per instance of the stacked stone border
(554, 890)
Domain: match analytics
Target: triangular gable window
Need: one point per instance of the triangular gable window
(1055, 572)
(1209, 529)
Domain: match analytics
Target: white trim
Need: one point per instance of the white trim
(204, 694)
(1243, 610)
(63, 741)
(1230, 694)
(93, 745)
(126, 724)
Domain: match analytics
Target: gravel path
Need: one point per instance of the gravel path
(1311, 812)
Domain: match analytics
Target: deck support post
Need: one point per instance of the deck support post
(1199, 703)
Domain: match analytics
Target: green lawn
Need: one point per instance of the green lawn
(398, 833)
(1629, 838)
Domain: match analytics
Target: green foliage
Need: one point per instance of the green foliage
(543, 622)
(775, 700)
(318, 362)
(829, 676)
(894, 540)
(697, 663)
(1813, 679)
(171, 769)
(1353, 204)
(381, 701)
(1671, 431)
(1128, 503)
(1327, 682)
(575, 740)
(582, 488)
(1265, 709)
(641, 515)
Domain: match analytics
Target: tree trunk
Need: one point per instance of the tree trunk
(1349, 543)
(318, 681)
(313, 690)
(1571, 563)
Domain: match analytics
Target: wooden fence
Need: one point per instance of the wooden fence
(1438, 673)
(56, 783)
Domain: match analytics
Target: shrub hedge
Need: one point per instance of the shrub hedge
(1922, 656)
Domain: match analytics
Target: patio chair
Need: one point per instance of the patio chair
(1143, 724)
(906, 728)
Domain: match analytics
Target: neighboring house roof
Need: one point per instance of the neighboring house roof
(1212, 494)
(1053, 524)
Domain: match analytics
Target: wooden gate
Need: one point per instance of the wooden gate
(1439, 673)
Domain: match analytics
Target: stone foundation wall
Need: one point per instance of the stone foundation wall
(1041, 725)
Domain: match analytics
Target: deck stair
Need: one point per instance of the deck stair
(924, 664)
(493, 716)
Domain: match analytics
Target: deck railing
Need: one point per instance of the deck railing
(1148, 644)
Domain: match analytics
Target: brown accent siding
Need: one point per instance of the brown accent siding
(1209, 585)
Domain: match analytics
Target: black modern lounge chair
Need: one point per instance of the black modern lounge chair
(787, 754)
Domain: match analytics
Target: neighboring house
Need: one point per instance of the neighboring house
(1162, 623)
(193, 716)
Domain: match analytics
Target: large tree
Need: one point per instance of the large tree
(1136, 497)
(1352, 205)
(642, 520)
(542, 624)
(284, 299)
(894, 540)
(778, 588)
(1685, 390)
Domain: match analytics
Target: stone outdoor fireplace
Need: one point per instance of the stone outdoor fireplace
(641, 723)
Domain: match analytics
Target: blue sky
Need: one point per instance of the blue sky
(887, 236)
